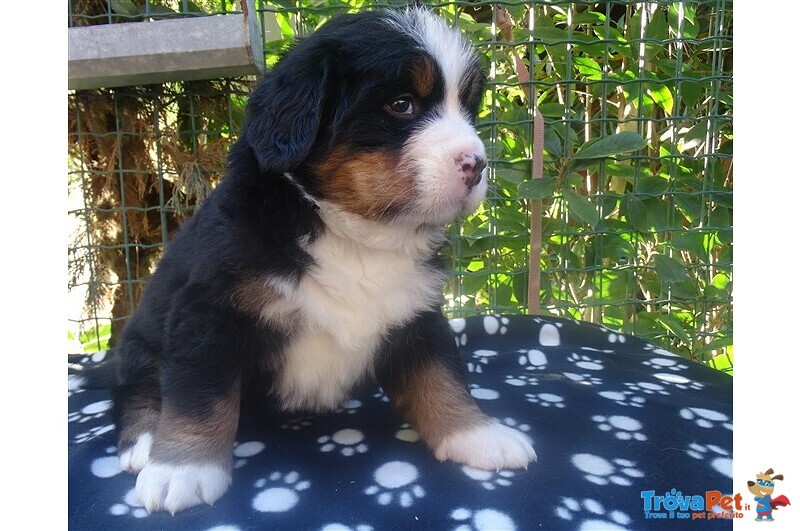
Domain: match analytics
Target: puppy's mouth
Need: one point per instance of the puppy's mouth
(449, 191)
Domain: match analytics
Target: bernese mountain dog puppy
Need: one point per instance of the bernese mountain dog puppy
(312, 267)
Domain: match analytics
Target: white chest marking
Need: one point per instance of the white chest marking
(367, 278)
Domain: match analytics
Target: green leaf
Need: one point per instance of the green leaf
(721, 281)
(537, 188)
(588, 68)
(611, 145)
(552, 142)
(674, 325)
(637, 213)
(652, 185)
(690, 241)
(670, 270)
(716, 344)
(124, 7)
(515, 172)
(582, 208)
(663, 97)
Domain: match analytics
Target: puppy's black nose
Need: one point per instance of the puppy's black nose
(472, 167)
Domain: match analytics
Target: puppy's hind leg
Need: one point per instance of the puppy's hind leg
(191, 456)
(200, 374)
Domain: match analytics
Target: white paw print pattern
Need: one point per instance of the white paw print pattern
(660, 351)
(396, 482)
(545, 399)
(613, 337)
(521, 381)
(297, 423)
(341, 527)
(665, 364)
(624, 428)
(494, 324)
(584, 378)
(95, 410)
(481, 358)
(600, 350)
(481, 393)
(706, 418)
(129, 506)
(533, 360)
(590, 514)
(679, 381)
(380, 395)
(482, 520)
(243, 451)
(601, 471)
(74, 384)
(585, 362)
(512, 423)
(549, 336)
(106, 466)
(347, 442)
(350, 407)
(487, 479)
(648, 388)
(719, 458)
(93, 432)
(458, 326)
(280, 492)
(407, 434)
(624, 398)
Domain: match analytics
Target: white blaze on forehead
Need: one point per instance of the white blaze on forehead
(446, 45)
(445, 137)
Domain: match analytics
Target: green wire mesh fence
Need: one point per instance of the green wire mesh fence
(636, 194)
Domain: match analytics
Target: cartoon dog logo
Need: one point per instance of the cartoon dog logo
(762, 488)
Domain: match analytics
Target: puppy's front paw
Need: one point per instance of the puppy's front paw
(489, 446)
(173, 488)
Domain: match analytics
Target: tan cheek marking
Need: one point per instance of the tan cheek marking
(435, 404)
(423, 76)
(180, 439)
(369, 184)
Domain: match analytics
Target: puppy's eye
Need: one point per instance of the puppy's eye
(404, 106)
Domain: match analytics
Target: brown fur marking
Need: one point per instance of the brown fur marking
(370, 184)
(436, 405)
(139, 415)
(423, 75)
(252, 295)
(179, 439)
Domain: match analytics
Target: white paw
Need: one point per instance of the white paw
(174, 488)
(135, 458)
(490, 446)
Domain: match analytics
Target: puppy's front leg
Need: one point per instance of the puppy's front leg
(422, 372)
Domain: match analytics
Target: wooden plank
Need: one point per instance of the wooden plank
(139, 53)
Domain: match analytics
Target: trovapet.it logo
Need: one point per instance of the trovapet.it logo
(675, 505)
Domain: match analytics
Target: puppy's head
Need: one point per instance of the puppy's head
(375, 113)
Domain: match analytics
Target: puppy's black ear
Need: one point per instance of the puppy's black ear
(284, 112)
